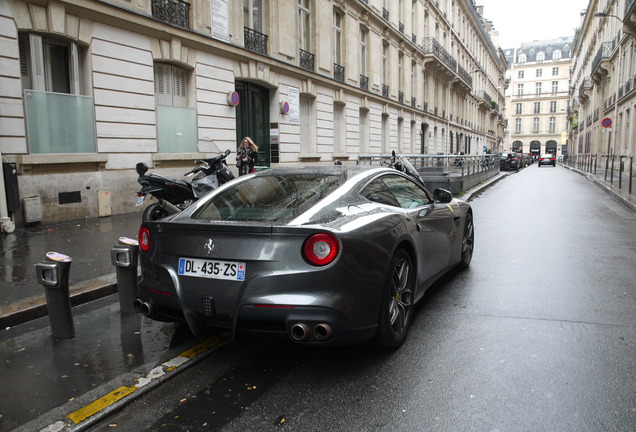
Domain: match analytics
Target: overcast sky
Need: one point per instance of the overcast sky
(528, 20)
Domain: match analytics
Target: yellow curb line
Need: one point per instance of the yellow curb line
(156, 373)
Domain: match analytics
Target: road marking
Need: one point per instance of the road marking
(152, 377)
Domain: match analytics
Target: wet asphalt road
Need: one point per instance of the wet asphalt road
(539, 334)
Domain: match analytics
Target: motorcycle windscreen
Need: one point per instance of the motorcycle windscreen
(204, 185)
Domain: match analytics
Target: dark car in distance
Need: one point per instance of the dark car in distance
(510, 161)
(547, 159)
(320, 256)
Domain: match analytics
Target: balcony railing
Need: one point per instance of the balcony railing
(385, 90)
(401, 97)
(364, 82)
(175, 12)
(586, 84)
(604, 52)
(338, 72)
(401, 27)
(431, 46)
(385, 14)
(413, 102)
(255, 41)
(465, 76)
(307, 60)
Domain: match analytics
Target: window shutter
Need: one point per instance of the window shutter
(73, 69)
(179, 87)
(37, 63)
(163, 88)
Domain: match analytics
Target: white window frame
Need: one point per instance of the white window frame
(36, 62)
(170, 85)
(249, 9)
(338, 21)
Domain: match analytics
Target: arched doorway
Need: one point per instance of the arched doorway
(252, 119)
(551, 147)
(517, 146)
(535, 148)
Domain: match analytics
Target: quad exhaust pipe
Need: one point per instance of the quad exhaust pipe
(301, 331)
(142, 307)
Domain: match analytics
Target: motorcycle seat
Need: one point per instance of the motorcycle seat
(171, 180)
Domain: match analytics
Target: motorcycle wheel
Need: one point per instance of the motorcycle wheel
(153, 212)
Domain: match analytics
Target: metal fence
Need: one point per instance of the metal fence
(615, 168)
(456, 173)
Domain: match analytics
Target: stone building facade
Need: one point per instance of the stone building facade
(537, 96)
(602, 108)
(89, 88)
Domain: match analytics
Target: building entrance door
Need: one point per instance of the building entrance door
(252, 118)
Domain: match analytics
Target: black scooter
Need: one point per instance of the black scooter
(175, 195)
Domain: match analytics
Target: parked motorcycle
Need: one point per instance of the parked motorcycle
(175, 195)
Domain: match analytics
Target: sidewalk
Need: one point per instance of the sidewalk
(70, 384)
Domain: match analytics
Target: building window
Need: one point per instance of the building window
(170, 85)
(362, 130)
(49, 64)
(400, 72)
(385, 63)
(363, 51)
(522, 58)
(519, 89)
(338, 128)
(306, 124)
(535, 125)
(537, 107)
(58, 118)
(517, 125)
(555, 87)
(520, 74)
(539, 73)
(556, 55)
(337, 37)
(537, 89)
(555, 71)
(253, 15)
(540, 56)
(553, 106)
(552, 124)
(519, 109)
(304, 21)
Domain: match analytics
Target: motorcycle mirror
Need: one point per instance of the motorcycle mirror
(227, 152)
(141, 168)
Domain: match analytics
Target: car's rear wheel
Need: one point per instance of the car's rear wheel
(153, 212)
(397, 303)
(468, 242)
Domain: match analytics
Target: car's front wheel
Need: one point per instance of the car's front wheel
(468, 242)
(397, 303)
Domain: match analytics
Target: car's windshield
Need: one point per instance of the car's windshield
(269, 198)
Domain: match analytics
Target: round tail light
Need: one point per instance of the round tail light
(321, 249)
(144, 239)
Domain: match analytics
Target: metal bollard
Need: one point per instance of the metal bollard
(53, 275)
(124, 257)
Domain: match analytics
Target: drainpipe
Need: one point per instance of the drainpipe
(6, 223)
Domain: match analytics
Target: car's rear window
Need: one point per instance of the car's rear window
(269, 198)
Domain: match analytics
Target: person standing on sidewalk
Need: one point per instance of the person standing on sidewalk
(247, 156)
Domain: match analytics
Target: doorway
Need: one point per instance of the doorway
(252, 118)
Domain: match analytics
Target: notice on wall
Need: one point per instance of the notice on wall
(219, 20)
(294, 105)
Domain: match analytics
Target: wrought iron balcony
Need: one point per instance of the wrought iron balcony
(307, 60)
(603, 53)
(434, 48)
(401, 27)
(338, 72)
(175, 12)
(385, 90)
(413, 102)
(401, 97)
(585, 85)
(465, 76)
(414, 38)
(364, 82)
(385, 14)
(255, 41)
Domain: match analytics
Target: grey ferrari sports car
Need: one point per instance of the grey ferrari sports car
(326, 255)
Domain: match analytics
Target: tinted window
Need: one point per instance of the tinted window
(396, 191)
(269, 197)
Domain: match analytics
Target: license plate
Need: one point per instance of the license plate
(212, 269)
(140, 200)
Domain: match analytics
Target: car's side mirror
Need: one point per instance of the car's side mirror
(142, 168)
(442, 196)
